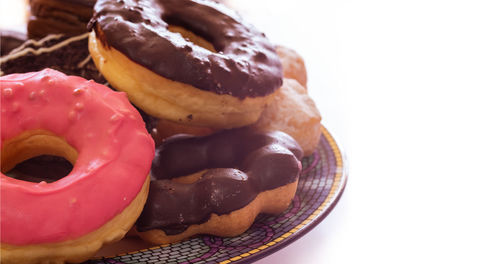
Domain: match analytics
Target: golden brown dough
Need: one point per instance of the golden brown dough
(294, 113)
(165, 128)
(293, 65)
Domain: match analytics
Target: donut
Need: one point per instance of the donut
(66, 54)
(193, 62)
(218, 184)
(293, 68)
(102, 135)
(293, 65)
(293, 112)
(68, 17)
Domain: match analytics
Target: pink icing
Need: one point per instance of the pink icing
(115, 154)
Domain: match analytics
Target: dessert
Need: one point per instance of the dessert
(191, 67)
(218, 184)
(102, 135)
(295, 113)
(293, 65)
(225, 83)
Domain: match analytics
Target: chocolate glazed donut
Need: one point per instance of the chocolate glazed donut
(192, 62)
(240, 163)
(245, 63)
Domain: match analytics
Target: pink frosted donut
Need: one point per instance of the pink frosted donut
(104, 137)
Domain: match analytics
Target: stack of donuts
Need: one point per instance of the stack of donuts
(178, 117)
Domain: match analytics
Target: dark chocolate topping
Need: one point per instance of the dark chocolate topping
(10, 40)
(69, 17)
(66, 54)
(88, 3)
(245, 64)
(240, 164)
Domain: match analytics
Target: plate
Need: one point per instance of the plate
(321, 184)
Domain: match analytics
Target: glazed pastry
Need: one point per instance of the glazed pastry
(66, 54)
(293, 65)
(68, 17)
(192, 62)
(295, 113)
(102, 135)
(218, 184)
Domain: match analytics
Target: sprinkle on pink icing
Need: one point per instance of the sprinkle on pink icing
(115, 154)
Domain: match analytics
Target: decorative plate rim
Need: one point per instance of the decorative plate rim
(322, 211)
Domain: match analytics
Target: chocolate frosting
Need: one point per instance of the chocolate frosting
(10, 40)
(240, 164)
(245, 64)
(69, 17)
(66, 54)
(89, 3)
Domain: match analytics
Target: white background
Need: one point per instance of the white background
(410, 90)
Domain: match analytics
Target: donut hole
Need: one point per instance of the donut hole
(46, 168)
(192, 37)
(37, 156)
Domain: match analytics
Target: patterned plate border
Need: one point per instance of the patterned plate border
(321, 185)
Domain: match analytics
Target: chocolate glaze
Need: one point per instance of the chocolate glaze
(10, 40)
(69, 17)
(245, 64)
(89, 3)
(72, 57)
(240, 164)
